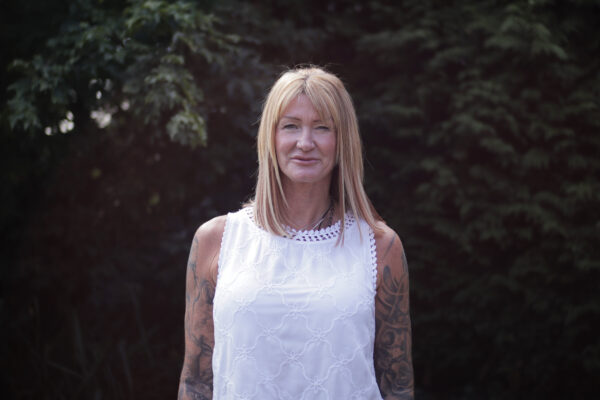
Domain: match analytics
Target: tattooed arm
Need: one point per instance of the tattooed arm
(393, 360)
(196, 376)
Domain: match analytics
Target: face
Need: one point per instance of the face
(305, 144)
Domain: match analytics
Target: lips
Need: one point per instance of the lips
(304, 160)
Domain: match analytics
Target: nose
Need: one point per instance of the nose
(306, 141)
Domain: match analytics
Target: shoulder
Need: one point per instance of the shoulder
(391, 259)
(207, 244)
(211, 229)
(387, 241)
(208, 235)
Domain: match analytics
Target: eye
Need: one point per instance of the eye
(323, 128)
(289, 126)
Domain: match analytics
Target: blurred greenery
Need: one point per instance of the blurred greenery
(125, 124)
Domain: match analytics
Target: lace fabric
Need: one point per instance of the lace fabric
(319, 235)
(294, 317)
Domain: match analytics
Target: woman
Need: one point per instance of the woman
(302, 294)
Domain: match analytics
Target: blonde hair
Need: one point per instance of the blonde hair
(331, 100)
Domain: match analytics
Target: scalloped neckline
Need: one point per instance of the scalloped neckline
(304, 236)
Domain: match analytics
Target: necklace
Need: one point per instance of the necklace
(327, 215)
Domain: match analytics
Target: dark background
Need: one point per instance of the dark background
(480, 121)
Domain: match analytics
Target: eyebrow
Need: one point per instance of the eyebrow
(298, 119)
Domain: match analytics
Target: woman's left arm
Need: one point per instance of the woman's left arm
(393, 359)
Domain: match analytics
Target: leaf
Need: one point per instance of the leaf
(187, 128)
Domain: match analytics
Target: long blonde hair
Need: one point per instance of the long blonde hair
(331, 100)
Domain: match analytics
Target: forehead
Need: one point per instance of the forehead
(302, 107)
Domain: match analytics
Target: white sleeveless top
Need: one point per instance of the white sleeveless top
(294, 317)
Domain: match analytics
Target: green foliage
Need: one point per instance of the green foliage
(495, 164)
(141, 55)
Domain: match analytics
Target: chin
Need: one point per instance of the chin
(306, 175)
(306, 178)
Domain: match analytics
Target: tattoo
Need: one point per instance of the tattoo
(196, 376)
(199, 317)
(393, 361)
(388, 248)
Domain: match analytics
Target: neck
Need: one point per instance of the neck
(306, 204)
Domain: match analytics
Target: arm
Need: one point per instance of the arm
(196, 380)
(393, 360)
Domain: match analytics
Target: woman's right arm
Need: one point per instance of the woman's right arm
(196, 376)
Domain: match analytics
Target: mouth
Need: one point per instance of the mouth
(304, 160)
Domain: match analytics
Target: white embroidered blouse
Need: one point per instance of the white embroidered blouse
(294, 317)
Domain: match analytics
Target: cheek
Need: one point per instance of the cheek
(281, 145)
(329, 147)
